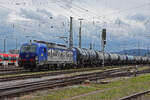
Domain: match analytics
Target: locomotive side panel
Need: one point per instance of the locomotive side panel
(60, 56)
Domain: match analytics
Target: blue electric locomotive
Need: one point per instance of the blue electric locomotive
(45, 55)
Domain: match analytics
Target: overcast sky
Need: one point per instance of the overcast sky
(127, 22)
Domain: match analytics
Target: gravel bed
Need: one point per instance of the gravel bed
(10, 83)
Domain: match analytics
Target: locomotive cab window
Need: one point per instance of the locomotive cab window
(28, 48)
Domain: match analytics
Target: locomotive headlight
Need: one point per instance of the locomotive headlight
(36, 58)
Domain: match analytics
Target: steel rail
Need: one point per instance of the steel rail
(27, 76)
(136, 96)
(51, 83)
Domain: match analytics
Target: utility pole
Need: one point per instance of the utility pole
(147, 51)
(4, 45)
(80, 31)
(71, 34)
(80, 34)
(90, 46)
(139, 49)
(16, 43)
(16, 40)
(134, 54)
(103, 63)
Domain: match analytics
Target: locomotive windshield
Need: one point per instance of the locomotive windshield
(28, 48)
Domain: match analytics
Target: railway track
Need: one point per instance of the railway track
(137, 96)
(17, 89)
(51, 83)
(10, 69)
(44, 74)
(13, 72)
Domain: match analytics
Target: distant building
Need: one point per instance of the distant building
(14, 51)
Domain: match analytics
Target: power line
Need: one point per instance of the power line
(129, 9)
(91, 12)
(87, 11)
(120, 11)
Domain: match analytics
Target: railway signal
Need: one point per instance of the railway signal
(104, 36)
(103, 44)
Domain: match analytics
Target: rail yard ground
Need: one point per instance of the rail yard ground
(115, 89)
(27, 74)
(105, 89)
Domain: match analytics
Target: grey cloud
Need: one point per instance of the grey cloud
(45, 12)
(118, 34)
(4, 13)
(29, 13)
(138, 17)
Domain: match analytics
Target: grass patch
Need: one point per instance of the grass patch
(65, 93)
(124, 88)
(116, 93)
(112, 91)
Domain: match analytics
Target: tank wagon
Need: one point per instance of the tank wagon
(41, 54)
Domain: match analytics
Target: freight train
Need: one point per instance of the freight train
(40, 54)
(8, 59)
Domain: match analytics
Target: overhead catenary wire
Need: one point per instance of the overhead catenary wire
(94, 14)
(103, 16)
